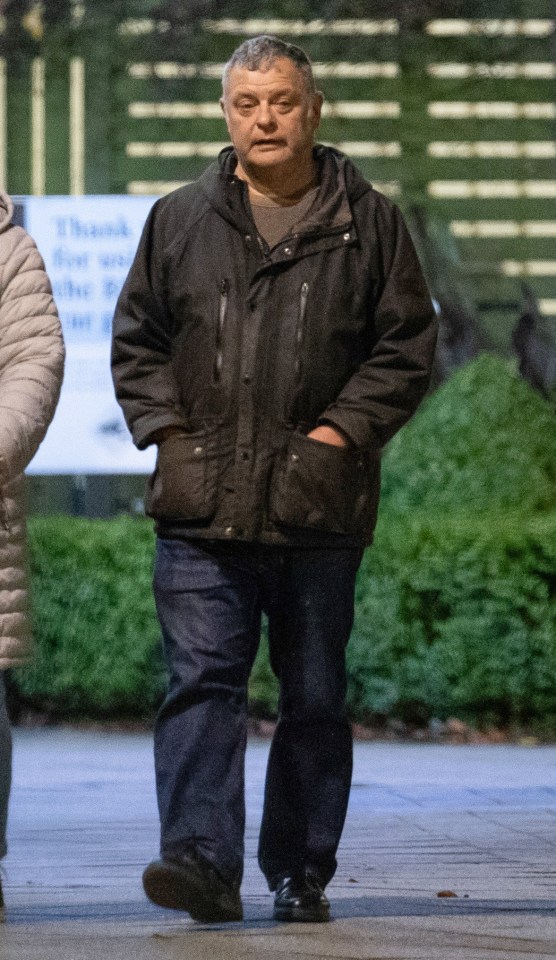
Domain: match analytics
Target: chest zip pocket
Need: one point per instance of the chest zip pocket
(300, 332)
(221, 323)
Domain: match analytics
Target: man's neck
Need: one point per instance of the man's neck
(273, 185)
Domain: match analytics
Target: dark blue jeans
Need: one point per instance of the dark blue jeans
(210, 597)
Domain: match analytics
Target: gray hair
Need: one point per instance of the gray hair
(262, 51)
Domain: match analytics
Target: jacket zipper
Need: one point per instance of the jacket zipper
(263, 247)
(300, 332)
(222, 312)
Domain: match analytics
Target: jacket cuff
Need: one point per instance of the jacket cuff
(143, 430)
(354, 425)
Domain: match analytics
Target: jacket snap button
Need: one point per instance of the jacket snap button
(346, 236)
(198, 451)
(287, 251)
(295, 457)
(229, 531)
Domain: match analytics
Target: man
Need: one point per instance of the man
(273, 333)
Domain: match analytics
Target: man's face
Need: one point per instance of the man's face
(271, 117)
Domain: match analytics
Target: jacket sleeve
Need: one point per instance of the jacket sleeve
(31, 354)
(141, 343)
(387, 389)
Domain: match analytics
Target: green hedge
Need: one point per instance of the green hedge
(97, 637)
(455, 607)
(453, 617)
(456, 610)
(484, 441)
(93, 617)
(458, 618)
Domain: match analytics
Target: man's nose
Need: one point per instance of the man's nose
(265, 117)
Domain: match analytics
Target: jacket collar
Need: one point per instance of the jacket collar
(340, 184)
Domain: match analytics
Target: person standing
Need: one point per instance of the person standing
(273, 333)
(31, 368)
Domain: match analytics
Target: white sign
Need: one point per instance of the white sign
(88, 244)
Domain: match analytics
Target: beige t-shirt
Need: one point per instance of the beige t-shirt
(273, 221)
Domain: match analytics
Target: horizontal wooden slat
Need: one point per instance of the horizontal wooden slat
(303, 28)
(490, 27)
(540, 149)
(503, 228)
(487, 109)
(492, 71)
(166, 70)
(497, 189)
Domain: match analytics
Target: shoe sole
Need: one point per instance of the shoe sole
(302, 914)
(170, 886)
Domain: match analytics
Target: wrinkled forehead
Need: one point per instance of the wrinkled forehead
(275, 72)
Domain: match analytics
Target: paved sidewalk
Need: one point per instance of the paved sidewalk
(476, 821)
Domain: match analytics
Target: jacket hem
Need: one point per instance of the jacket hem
(297, 539)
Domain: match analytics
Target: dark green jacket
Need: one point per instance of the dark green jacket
(247, 349)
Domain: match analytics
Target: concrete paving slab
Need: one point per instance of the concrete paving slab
(476, 821)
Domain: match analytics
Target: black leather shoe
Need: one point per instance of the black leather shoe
(301, 899)
(194, 885)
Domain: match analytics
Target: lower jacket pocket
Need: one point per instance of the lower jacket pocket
(322, 487)
(184, 485)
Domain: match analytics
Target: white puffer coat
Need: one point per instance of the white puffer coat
(31, 367)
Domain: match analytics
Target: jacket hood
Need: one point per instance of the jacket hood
(340, 185)
(6, 211)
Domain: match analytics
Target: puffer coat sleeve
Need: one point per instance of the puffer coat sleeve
(31, 367)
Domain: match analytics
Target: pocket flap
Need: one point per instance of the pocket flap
(184, 483)
(324, 487)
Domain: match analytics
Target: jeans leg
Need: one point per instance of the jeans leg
(310, 763)
(5, 765)
(208, 609)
